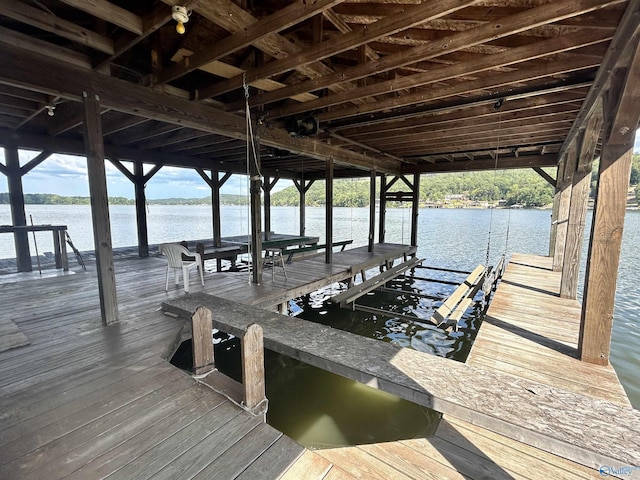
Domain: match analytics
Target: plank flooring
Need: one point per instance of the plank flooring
(83, 402)
(529, 333)
(532, 333)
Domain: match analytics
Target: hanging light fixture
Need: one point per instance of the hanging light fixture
(50, 110)
(181, 16)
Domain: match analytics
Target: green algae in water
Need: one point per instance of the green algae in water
(320, 409)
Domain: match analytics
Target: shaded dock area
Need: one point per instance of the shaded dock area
(84, 401)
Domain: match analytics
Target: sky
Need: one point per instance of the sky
(67, 175)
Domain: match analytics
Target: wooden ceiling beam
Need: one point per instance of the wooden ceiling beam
(488, 146)
(524, 108)
(528, 161)
(545, 14)
(274, 23)
(516, 125)
(109, 12)
(205, 141)
(483, 132)
(235, 19)
(27, 42)
(515, 56)
(183, 135)
(16, 92)
(342, 27)
(16, 10)
(68, 116)
(72, 146)
(625, 34)
(495, 82)
(145, 133)
(24, 69)
(160, 15)
(410, 16)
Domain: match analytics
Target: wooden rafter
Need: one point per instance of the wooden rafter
(109, 12)
(411, 15)
(542, 15)
(21, 12)
(278, 21)
(518, 55)
(122, 96)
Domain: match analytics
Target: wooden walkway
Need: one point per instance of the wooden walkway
(532, 333)
(82, 401)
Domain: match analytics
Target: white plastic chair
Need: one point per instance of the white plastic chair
(175, 262)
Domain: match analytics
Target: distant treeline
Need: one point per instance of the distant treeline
(52, 199)
(524, 187)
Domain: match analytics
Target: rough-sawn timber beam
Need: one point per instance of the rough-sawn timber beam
(523, 161)
(624, 36)
(548, 418)
(24, 69)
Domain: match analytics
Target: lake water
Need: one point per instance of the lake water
(450, 238)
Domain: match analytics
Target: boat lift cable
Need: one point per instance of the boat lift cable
(496, 107)
(248, 154)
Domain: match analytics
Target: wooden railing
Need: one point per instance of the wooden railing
(253, 397)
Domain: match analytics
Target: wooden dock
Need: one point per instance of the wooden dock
(531, 334)
(83, 401)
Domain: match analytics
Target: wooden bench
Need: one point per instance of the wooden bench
(312, 248)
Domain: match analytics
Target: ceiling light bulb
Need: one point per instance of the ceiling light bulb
(50, 110)
(181, 16)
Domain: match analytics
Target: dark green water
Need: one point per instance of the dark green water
(320, 409)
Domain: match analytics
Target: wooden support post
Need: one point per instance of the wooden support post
(604, 254)
(554, 212)
(252, 346)
(383, 208)
(202, 341)
(587, 143)
(18, 215)
(215, 208)
(303, 201)
(303, 187)
(329, 211)
(94, 147)
(415, 209)
(372, 210)
(564, 183)
(621, 120)
(266, 188)
(141, 209)
(255, 188)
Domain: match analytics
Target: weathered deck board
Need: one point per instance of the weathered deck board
(544, 416)
(41, 394)
(532, 333)
(82, 401)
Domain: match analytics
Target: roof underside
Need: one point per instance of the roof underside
(401, 86)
